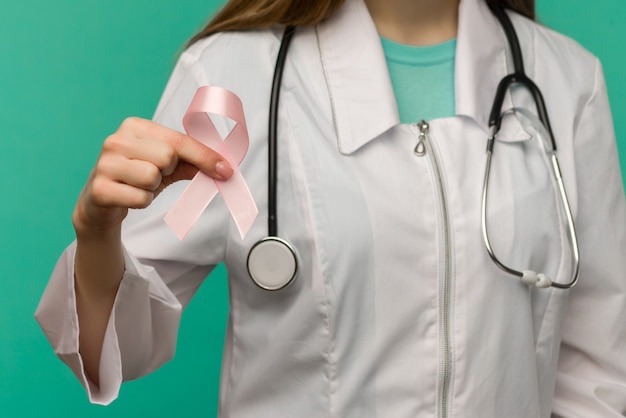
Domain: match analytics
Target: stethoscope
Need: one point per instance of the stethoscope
(529, 277)
(273, 263)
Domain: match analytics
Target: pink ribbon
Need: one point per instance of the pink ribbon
(202, 189)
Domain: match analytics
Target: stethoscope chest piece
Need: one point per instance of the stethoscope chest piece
(272, 263)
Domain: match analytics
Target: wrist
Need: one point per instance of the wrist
(106, 226)
(98, 262)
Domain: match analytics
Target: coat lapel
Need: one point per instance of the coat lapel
(357, 77)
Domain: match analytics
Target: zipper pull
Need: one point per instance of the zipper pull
(420, 148)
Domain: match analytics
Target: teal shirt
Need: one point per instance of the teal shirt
(422, 78)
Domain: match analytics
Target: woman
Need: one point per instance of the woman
(397, 309)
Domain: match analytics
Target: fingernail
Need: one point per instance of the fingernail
(223, 170)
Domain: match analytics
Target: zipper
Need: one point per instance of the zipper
(420, 148)
(424, 146)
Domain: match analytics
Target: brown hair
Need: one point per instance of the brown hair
(261, 14)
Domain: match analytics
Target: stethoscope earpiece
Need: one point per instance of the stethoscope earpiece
(272, 263)
(539, 280)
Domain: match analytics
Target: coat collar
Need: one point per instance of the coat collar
(362, 97)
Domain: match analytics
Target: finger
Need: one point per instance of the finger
(204, 158)
(184, 146)
(132, 142)
(107, 193)
(136, 173)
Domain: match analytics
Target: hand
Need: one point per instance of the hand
(136, 163)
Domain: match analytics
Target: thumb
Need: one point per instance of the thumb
(183, 171)
(187, 171)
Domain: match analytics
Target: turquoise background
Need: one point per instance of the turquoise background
(71, 71)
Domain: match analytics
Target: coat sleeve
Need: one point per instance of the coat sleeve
(591, 375)
(161, 275)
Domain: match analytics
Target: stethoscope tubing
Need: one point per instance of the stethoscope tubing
(272, 142)
(272, 262)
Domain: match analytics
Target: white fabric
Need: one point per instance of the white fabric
(359, 333)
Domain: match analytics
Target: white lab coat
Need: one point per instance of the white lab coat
(397, 310)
